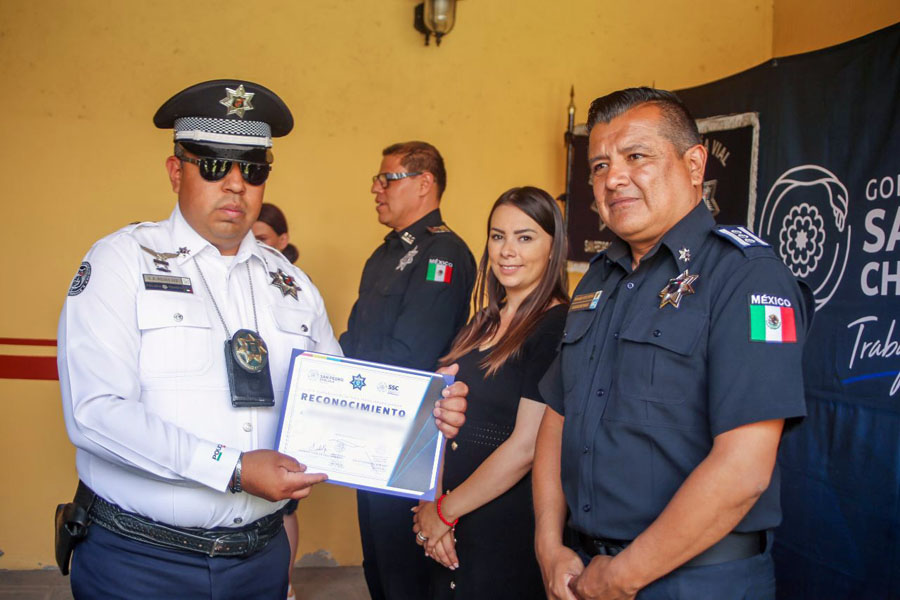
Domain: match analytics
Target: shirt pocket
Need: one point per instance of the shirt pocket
(660, 358)
(176, 334)
(297, 324)
(574, 357)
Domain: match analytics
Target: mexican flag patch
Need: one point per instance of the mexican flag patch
(771, 319)
(439, 270)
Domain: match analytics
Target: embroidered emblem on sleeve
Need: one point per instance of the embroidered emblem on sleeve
(772, 320)
(439, 270)
(80, 281)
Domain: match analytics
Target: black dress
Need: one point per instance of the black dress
(495, 543)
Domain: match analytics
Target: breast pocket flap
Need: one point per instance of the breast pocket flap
(166, 309)
(676, 331)
(577, 324)
(294, 321)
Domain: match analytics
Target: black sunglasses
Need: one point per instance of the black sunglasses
(215, 169)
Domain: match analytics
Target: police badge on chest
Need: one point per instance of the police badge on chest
(247, 362)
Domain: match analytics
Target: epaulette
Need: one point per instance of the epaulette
(740, 236)
(439, 229)
(137, 224)
(274, 251)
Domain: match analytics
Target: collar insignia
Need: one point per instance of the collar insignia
(161, 259)
(237, 101)
(684, 255)
(184, 251)
(285, 283)
(676, 288)
(407, 259)
(408, 238)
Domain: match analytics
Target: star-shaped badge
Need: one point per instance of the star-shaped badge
(684, 255)
(285, 283)
(358, 382)
(676, 288)
(237, 101)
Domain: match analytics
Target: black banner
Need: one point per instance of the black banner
(828, 175)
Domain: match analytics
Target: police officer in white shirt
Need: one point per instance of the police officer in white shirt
(174, 345)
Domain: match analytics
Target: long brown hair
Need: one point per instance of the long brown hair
(490, 295)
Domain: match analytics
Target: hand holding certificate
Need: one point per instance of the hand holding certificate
(365, 425)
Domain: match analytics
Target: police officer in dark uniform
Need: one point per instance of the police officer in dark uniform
(413, 298)
(679, 368)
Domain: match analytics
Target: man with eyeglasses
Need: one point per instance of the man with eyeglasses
(413, 298)
(174, 345)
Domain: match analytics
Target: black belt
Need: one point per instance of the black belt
(221, 541)
(733, 546)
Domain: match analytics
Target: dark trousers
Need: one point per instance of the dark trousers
(108, 566)
(745, 579)
(394, 565)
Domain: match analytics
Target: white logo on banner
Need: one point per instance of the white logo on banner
(805, 216)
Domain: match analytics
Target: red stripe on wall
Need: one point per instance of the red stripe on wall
(28, 367)
(26, 342)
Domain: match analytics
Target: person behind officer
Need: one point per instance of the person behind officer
(679, 367)
(413, 298)
(271, 228)
(173, 435)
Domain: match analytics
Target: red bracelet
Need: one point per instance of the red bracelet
(441, 515)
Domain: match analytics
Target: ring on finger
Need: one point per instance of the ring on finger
(421, 537)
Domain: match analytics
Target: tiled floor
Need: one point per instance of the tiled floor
(311, 583)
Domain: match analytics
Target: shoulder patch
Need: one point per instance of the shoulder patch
(439, 270)
(439, 229)
(80, 281)
(740, 236)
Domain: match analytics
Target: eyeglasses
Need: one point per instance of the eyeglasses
(215, 169)
(383, 179)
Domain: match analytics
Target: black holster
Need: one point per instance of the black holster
(72, 523)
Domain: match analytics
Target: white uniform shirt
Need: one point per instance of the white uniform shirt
(142, 371)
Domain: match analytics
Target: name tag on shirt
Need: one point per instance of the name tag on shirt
(587, 301)
(168, 283)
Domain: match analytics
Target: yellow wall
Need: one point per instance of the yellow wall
(801, 25)
(81, 158)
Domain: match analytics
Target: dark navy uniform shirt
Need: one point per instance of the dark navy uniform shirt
(413, 297)
(644, 389)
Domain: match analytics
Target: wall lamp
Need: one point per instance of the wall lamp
(435, 17)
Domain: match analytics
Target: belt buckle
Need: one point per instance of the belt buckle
(215, 548)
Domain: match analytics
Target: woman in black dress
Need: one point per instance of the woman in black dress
(481, 533)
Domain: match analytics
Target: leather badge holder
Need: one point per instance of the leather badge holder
(248, 389)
